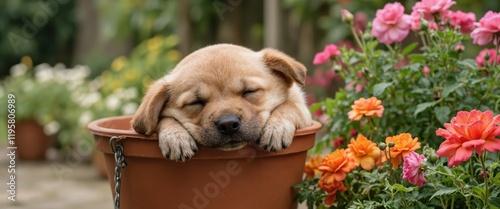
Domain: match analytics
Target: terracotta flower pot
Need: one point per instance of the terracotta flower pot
(245, 178)
(31, 141)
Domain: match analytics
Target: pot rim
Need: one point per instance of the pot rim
(95, 127)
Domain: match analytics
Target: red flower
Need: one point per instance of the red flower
(467, 132)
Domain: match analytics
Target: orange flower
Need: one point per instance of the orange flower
(331, 188)
(312, 165)
(467, 132)
(403, 145)
(366, 107)
(363, 151)
(336, 165)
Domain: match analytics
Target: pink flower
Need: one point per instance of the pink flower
(359, 88)
(391, 24)
(411, 169)
(360, 21)
(431, 7)
(485, 30)
(468, 132)
(415, 21)
(463, 20)
(491, 54)
(426, 70)
(329, 51)
(320, 58)
(332, 50)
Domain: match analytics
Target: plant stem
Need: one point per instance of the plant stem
(356, 37)
(435, 187)
(497, 37)
(482, 158)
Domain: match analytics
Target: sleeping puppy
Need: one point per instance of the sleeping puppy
(225, 96)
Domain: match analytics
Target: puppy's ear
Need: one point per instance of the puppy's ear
(284, 66)
(147, 116)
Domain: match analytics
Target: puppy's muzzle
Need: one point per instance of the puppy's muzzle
(228, 124)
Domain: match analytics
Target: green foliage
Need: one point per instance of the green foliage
(46, 94)
(418, 102)
(43, 30)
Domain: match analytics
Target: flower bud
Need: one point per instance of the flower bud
(382, 146)
(433, 158)
(353, 132)
(486, 57)
(424, 24)
(482, 174)
(459, 47)
(367, 36)
(392, 144)
(346, 16)
(426, 70)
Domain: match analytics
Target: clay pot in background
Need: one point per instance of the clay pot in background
(245, 179)
(99, 163)
(31, 141)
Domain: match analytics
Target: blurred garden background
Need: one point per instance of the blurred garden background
(68, 62)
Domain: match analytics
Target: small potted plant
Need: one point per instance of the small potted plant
(45, 108)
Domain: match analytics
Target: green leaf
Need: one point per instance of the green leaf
(379, 88)
(402, 188)
(422, 106)
(442, 114)
(417, 57)
(494, 201)
(468, 63)
(316, 106)
(409, 48)
(451, 88)
(446, 191)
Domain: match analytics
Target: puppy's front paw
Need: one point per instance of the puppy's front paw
(277, 135)
(177, 145)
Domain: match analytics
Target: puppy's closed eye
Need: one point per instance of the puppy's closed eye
(249, 92)
(195, 103)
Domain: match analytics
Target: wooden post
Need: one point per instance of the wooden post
(272, 24)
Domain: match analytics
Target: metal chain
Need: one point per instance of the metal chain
(117, 148)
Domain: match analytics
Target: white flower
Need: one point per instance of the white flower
(112, 102)
(88, 100)
(129, 93)
(44, 73)
(18, 70)
(51, 128)
(95, 84)
(129, 108)
(85, 118)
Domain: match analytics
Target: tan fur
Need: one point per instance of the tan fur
(218, 77)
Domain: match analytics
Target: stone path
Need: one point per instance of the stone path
(41, 186)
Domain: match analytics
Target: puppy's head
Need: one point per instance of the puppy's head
(222, 95)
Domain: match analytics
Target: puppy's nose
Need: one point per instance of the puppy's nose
(228, 125)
